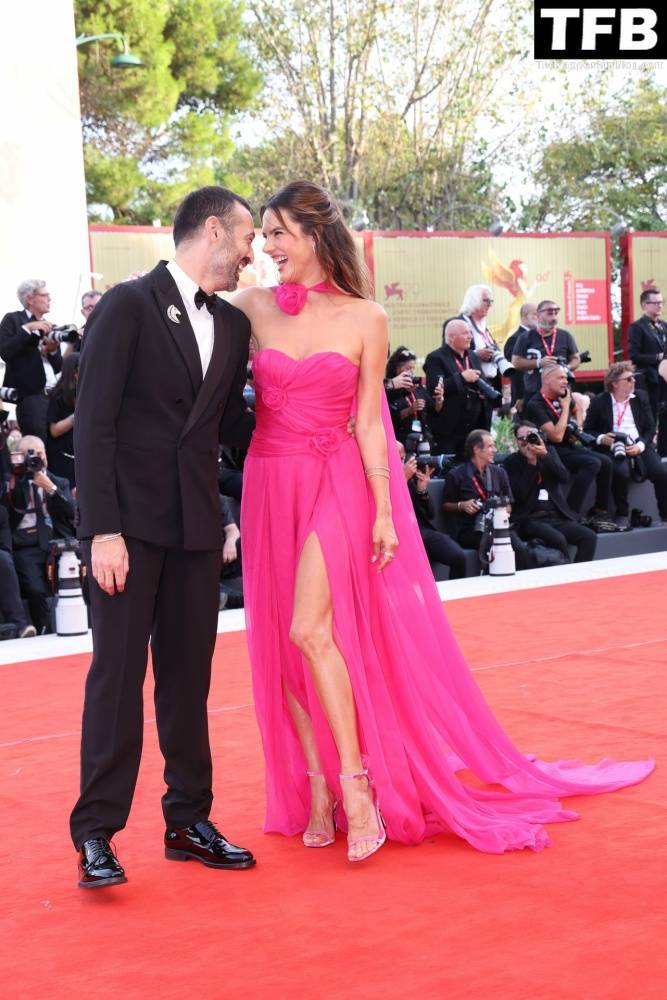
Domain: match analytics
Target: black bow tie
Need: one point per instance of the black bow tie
(201, 298)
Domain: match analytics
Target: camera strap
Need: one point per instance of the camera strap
(549, 348)
(556, 410)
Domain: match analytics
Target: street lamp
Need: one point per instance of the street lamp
(124, 59)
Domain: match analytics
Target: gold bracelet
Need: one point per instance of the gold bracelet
(380, 474)
(375, 468)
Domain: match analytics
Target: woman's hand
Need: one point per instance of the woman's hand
(385, 541)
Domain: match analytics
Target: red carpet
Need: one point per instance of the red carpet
(576, 670)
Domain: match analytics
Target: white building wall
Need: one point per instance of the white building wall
(43, 224)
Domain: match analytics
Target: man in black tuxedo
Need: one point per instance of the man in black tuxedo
(161, 381)
(621, 409)
(33, 362)
(40, 508)
(540, 509)
(647, 343)
(459, 368)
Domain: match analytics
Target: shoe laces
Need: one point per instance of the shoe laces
(101, 849)
(207, 829)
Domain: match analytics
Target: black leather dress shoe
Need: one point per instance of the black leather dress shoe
(98, 865)
(202, 842)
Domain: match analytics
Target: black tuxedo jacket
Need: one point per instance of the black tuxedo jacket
(527, 480)
(645, 343)
(20, 352)
(600, 416)
(147, 425)
(462, 406)
(60, 506)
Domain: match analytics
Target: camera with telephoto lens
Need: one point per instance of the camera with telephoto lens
(534, 437)
(584, 358)
(505, 367)
(487, 390)
(26, 465)
(8, 395)
(65, 334)
(485, 509)
(575, 431)
(418, 446)
(621, 443)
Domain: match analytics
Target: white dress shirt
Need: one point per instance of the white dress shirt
(201, 320)
(623, 412)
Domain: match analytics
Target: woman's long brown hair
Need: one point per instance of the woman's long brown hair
(319, 216)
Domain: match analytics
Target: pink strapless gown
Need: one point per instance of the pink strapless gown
(421, 715)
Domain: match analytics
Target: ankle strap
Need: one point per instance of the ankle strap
(353, 777)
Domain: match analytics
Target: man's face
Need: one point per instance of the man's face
(88, 303)
(39, 302)
(459, 337)
(529, 317)
(486, 303)
(624, 386)
(554, 383)
(487, 450)
(653, 305)
(547, 316)
(233, 251)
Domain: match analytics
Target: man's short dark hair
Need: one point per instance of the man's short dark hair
(474, 440)
(646, 293)
(197, 206)
(524, 423)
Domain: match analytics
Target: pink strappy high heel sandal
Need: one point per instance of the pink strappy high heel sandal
(374, 842)
(320, 838)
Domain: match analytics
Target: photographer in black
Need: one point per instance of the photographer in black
(551, 409)
(547, 340)
(12, 612)
(622, 423)
(647, 345)
(60, 418)
(470, 485)
(30, 347)
(40, 508)
(458, 370)
(540, 510)
(440, 548)
(409, 402)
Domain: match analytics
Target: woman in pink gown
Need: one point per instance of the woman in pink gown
(355, 711)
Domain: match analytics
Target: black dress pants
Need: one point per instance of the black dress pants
(31, 415)
(11, 605)
(171, 598)
(557, 533)
(657, 473)
(443, 549)
(585, 466)
(30, 563)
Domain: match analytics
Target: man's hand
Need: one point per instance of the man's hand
(470, 375)
(608, 440)
(229, 553)
(418, 405)
(49, 346)
(469, 507)
(632, 450)
(110, 564)
(538, 450)
(38, 326)
(402, 381)
(410, 467)
(42, 480)
(439, 394)
(484, 353)
(423, 478)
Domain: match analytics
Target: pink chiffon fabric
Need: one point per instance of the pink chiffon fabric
(421, 715)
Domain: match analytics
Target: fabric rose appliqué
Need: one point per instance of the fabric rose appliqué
(290, 297)
(274, 398)
(326, 441)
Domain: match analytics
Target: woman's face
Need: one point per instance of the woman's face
(290, 249)
(406, 366)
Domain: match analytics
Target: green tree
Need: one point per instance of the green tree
(613, 167)
(152, 133)
(381, 102)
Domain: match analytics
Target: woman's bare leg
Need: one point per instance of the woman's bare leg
(321, 798)
(312, 633)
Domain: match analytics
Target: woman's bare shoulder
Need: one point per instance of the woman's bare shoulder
(253, 299)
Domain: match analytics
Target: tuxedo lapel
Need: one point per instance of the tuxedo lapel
(175, 318)
(215, 372)
(652, 333)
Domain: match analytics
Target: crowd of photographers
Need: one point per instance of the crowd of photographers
(565, 443)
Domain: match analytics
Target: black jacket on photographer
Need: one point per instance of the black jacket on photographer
(602, 418)
(462, 410)
(26, 371)
(559, 344)
(440, 547)
(646, 340)
(464, 483)
(400, 400)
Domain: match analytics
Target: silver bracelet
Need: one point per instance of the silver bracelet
(108, 538)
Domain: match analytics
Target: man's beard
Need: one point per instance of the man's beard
(228, 268)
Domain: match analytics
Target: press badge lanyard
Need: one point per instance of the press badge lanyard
(621, 413)
(557, 412)
(550, 348)
(462, 366)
